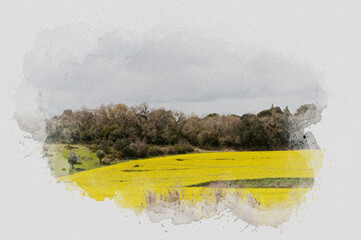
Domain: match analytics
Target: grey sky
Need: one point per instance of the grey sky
(179, 69)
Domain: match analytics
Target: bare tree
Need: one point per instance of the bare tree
(142, 111)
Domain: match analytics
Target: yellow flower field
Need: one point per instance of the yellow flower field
(128, 182)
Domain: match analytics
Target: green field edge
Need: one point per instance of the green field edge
(259, 183)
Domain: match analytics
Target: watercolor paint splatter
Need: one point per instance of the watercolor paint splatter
(179, 125)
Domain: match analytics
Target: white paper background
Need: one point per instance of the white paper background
(326, 33)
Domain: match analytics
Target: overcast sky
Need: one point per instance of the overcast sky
(190, 71)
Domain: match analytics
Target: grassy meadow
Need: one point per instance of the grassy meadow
(273, 177)
(58, 159)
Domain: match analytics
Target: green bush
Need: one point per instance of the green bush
(119, 154)
(92, 148)
(120, 144)
(105, 145)
(129, 151)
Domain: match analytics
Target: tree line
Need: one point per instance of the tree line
(139, 131)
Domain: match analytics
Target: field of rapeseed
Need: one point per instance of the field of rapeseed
(198, 175)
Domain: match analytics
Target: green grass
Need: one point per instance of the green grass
(58, 159)
(260, 183)
(59, 165)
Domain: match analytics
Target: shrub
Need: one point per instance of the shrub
(140, 148)
(107, 160)
(129, 151)
(183, 148)
(120, 144)
(105, 146)
(92, 148)
(170, 150)
(179, 149)
(118, 154)
(226, 141)
(188, 148)
(155, 151)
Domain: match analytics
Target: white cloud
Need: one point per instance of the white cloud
(183, 70)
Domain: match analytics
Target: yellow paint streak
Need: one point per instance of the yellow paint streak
(128, 182)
